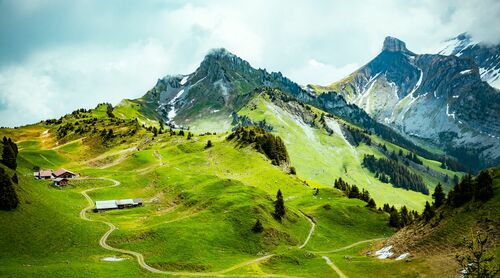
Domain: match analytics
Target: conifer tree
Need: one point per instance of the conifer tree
(404, 216)
(394, 220)
(279, 206)
(438, 196)
(428, 212)
(257, 227)
(484, 186)
(209, 144)
(371, 204)
(477, 261)
(8, 196)
(9, 155)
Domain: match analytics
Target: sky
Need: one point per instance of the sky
(58, 56)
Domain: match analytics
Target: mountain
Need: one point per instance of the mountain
(220, 85)
(205, 100)
(226, 92)
(433, 100)
(486, 56)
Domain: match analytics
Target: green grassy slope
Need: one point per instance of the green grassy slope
(200, 206)
(321, 157)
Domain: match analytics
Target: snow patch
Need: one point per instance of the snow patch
(172, 113)
(402, 256)
(448, 112)
(184, 80)
(384, 253)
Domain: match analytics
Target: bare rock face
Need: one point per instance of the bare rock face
(392, 44)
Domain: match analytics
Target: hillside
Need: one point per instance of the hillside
(208, 198)
(440, 239)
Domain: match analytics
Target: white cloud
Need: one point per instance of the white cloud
(321, 73)
(61, 80)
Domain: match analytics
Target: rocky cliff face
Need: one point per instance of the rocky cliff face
(222, 83)
(430, 98)
(486, 56)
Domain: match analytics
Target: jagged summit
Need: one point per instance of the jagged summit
(393, 44)
(219, 53)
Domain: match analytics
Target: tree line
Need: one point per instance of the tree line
(352, 191)
(398, 174)
(266, 143)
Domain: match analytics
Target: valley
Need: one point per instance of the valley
(241, 172)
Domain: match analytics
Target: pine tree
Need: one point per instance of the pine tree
(209, 144)
(484, 186)
(8, 196)
(279, 206)
(371, 204)
(404, 216)
(9, 155)
(386, 208)
(438, 196)
(257, 228)
(394, 220)
(354, 192)
(428, 212)
(477, 261)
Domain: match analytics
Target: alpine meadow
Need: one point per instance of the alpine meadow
(382, 160)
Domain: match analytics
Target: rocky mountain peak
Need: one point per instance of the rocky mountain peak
(392, 44)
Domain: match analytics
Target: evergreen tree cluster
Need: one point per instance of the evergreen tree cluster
(469, 188)
(352, 191)
(8, 196)
(355, 136)
(401, 218)
(413, 157)
(264, 142)
(9, 153)
(109, 110)
(399, 175)
(244, 121)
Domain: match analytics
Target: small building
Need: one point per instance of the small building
(44, 174)
(105, 205)
(61, 182)
(63, 173)
(138, 202)
(117, 204)
(126, 203)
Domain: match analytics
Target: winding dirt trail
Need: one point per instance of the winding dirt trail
(334, 267)
(313, 226)
(140, 257)
(348, 246)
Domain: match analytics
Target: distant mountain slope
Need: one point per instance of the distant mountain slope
(486, 56)
(433, 98)
(223, 83)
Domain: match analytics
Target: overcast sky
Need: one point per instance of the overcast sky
(57, 56)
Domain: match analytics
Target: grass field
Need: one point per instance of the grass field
(200, 204)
